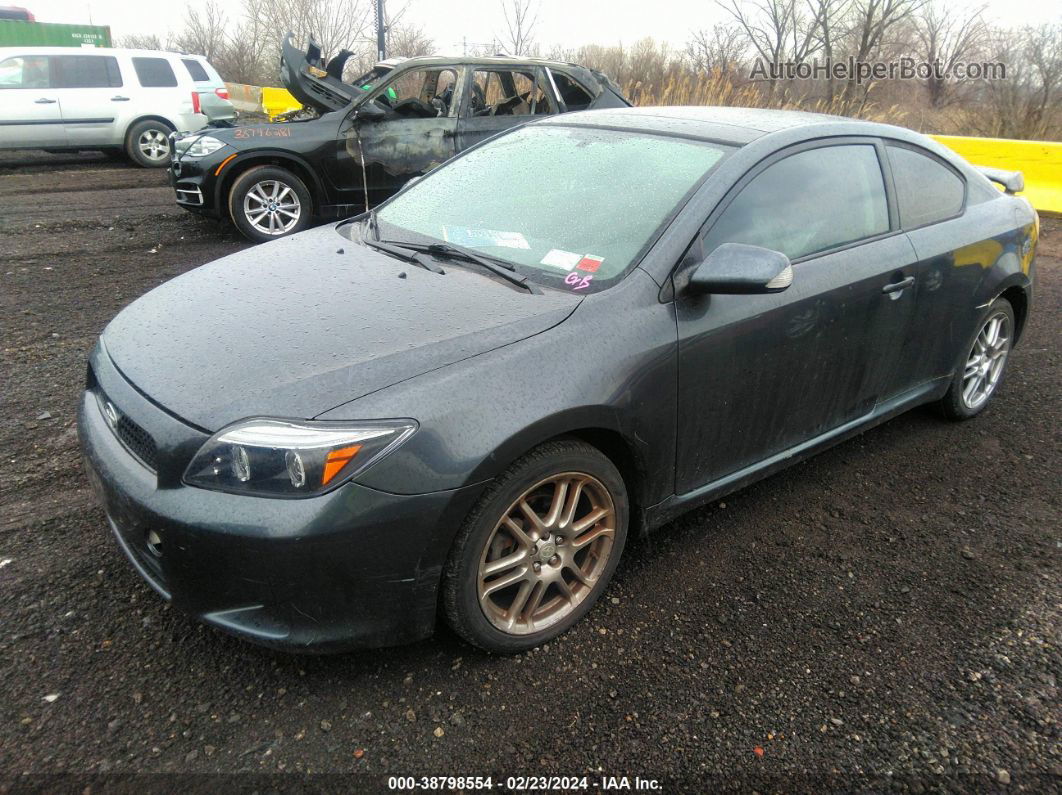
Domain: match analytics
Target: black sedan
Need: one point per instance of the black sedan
(358, 142)
(465, 402)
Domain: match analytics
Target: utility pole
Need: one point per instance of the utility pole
(381, 30)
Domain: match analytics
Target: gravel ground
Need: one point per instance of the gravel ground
(884, 615)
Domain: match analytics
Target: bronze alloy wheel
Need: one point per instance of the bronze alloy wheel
(546, 553)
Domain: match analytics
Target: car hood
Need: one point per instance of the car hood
(295, 327)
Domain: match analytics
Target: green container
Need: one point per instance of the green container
(15, 32)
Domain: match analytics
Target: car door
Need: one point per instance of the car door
(760, 374)
(500, 98)
(90, 96)
(931, 197)
(415, 134)
(30, 116)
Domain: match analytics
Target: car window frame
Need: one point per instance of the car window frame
(109, 62)
(540, 80)
(693, 254)
(398, 74)
(561, 104)
(920, 150)
(24, 56)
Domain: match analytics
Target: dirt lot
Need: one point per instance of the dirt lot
(885, 614)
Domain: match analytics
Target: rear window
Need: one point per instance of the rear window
(927, 191)
(196, 70)
(85, 71)
(154, 73)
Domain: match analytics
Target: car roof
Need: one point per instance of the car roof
(723, 124)
(30, 50)
(493, 60)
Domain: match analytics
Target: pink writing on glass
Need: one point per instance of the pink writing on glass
(578, 281)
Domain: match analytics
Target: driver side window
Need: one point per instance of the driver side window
(419, 93)
(808, 202)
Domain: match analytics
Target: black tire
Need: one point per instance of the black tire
(252, 182)
(955, 405)
(461, 577)
(147, 143)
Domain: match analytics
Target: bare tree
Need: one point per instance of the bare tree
(946, 37)
(408, 41)
(204, 31)
(334, 24)
(717, 50)
(521, 16)
(779, 31)
(871, 25)
(140, 41)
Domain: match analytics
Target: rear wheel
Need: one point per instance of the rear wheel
(267, 202)
(148, 143)
(981, 370)
(538, 550)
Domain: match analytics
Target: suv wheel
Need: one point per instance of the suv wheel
(538, 549)
(148, 144)
(267, 202)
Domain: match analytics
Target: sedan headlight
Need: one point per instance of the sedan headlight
(203, 146)
(281, 458)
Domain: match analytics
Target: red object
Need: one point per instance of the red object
(222, 92)
(195, 102)
(758, 750)
(589, 263)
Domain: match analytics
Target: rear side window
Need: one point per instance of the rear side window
(927, 190)
(195, 70)
(574, 95)
(25, 71)
(154, 73)
(85, 71)
(808, 202)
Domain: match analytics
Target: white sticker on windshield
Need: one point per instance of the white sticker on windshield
(557, 258)
(463, 236)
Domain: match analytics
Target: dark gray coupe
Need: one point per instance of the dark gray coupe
(464, 402)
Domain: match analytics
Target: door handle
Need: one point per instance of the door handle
(119, 99)
(895, 287)
(44, 101)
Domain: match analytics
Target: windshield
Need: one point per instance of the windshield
(571, 207)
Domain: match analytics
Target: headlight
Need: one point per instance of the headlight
(280, 458)
(203, 146)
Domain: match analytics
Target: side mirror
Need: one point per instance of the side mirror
(369, 111)
(740, 268)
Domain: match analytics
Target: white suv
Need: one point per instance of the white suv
(120, 101)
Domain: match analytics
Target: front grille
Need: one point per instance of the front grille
(136, 440)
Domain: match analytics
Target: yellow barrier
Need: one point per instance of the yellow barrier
(278, 100)
(1039, 161)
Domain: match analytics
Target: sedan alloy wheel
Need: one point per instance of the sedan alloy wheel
(272, 207)
(547, 553)
(986, 361)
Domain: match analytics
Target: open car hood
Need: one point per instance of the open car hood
(311, 81)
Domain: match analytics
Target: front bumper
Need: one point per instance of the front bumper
(194, 182)
(356, 567)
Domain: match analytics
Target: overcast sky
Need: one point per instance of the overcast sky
(565, 22)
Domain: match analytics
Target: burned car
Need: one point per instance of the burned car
(356, 143)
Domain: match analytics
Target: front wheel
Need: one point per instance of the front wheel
(267, 202)
(538, 549)
(981, 370)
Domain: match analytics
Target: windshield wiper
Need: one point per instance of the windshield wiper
(405, 253)
(495, 266)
